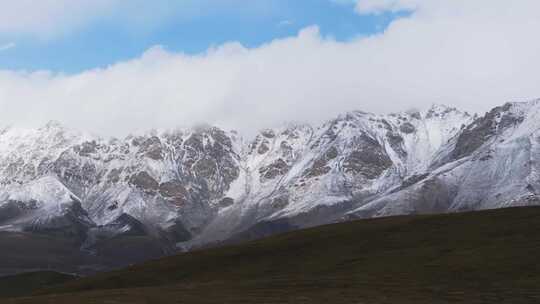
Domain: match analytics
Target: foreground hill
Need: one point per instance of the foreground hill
(479, 257)
(11, 286)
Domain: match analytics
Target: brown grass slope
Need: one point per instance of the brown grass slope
(478, 257)
(16, 285)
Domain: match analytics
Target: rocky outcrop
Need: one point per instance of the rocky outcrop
(485, 128)
(368, 158)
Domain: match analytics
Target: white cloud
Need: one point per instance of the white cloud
(52, 18)
(285, 23)
(7, 46)
(48, 17)
(378, 6)
(471, 54)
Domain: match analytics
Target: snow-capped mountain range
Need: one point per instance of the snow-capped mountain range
(197, 186)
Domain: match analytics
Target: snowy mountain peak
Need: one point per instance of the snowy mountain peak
(53, 125)
(533, 103)
(205, 184)
(441, 108)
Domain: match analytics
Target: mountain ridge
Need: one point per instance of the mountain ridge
(194, 187)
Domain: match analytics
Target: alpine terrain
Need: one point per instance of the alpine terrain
(119, 201)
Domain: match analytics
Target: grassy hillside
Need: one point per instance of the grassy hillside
(27, 282)
(29, 252)
(480, 257)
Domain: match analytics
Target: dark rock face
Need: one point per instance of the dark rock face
(319, 168)
(277, 168)
(483, 129)
(113, 176)
(396, 142)
(437, 113)
(151, 148)
(367, 159)
(280, 202)
(209, 159)
(286, 150)
(475, 135)
(485, 157)
(331, 153)
(268, 133)
(407, 128)
(320, 165)
(226, 202)
(113, 206)
(263, 148)
(415, 115)
(386, 124)
(145, 182)
(174, 191)
(205, 168)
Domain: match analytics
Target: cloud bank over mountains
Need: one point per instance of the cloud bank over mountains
(470, 54)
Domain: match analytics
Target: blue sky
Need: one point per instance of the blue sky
(188, 29)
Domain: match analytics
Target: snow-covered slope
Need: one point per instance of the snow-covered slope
(202, 185)
(493, 162)
(164, 180)
(314, 175)
(43, 205)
